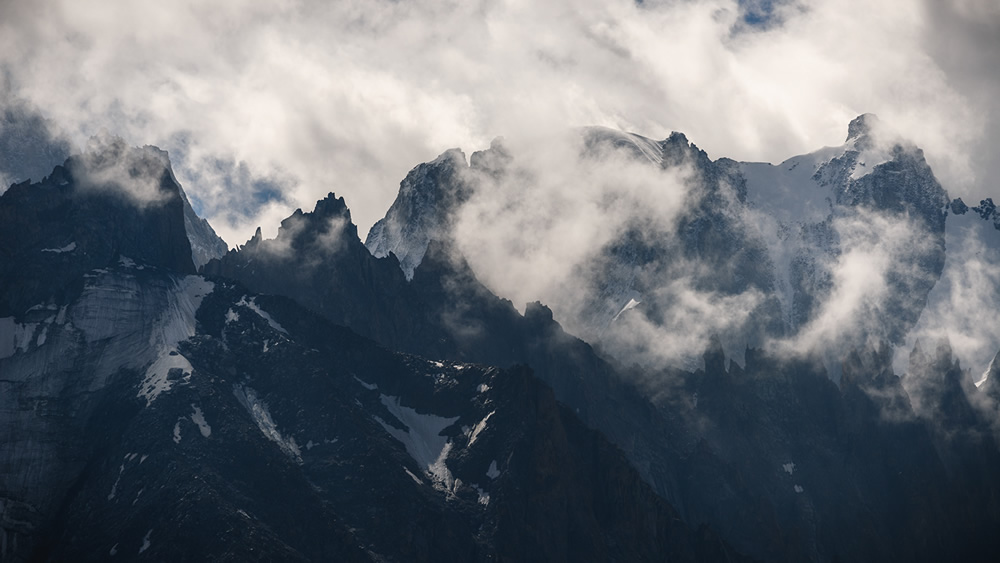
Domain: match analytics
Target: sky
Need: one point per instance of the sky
(265, 107)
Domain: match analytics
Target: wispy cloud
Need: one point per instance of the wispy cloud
(961, 307)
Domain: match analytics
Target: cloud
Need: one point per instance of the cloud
(961, 307)
(587, 220)
(529, 233)
(347, 96)
(28, 149)
(109, 165)
(879, 261)
(680, 337)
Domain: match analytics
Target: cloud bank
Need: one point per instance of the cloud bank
(276, 104)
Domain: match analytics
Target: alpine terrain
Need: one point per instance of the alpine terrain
(750, 363)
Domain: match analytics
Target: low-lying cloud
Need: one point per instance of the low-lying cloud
(962, 306)
(875, 270)
(529, 233)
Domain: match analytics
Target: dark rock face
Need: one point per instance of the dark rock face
(902, 189)
(854, 473)
(29, 150)
(109, 203)
(67, 359)
(710, 232)
(861, 126)
(205, 243)
(319, 258)
(288, 438)
(958, 207)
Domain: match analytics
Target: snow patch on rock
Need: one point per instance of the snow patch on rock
(368, 386)
(114, 488)
(176, 324)
(422, 439)
(15, 337)
(261, 415)
(632, 304)
(493, 472)
(68, 248)
(198, 418)
(252, 305)
(414, 477)
(474, 432)
(145, 541)
(484, 497)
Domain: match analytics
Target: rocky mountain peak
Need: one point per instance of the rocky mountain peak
(325, 225)
(715, 356)
(141, 172)
(538, 313)
(423, 209)
(936, 362)
(145, 175)
(332, 206)
(493, 161)
(109, 203)
(861, 126)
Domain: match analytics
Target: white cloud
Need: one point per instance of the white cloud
(962, 306)
(528, 235)
(347, 96)
(874, 250)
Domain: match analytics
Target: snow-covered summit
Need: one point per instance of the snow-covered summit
(596, 138)
(872, 202)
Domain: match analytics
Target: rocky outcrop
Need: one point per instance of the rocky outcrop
(205, 243)
(318, 258)
(111, 202)
(422, 211)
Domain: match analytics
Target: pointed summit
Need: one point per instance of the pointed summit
(861, 125)
(493, 161)
(715, 356)
(114, 202)
(255, 240)
(423, 210)
(332, 206)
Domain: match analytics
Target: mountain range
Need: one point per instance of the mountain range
(315, 397)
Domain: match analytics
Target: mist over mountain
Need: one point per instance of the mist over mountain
(588, 280)
(635, 242)
(588, 345)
